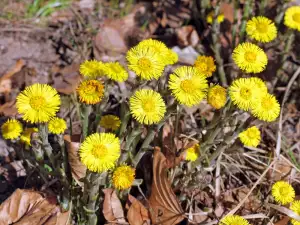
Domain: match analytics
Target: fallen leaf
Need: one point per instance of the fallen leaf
(281, 169)
(14, 170)
(112, 207)
(77, 168)
(187, 36)
(164, 206)
(137, 213)
(9, 109)
(25, 207)
(200, 217)
(284, 221)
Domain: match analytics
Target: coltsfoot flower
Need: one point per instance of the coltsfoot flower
(250, 58)
(262, 29)
(92, 68)
(110, 122)
(115, 71)
(210, 18)
(283, 192)
(57, 125)
(260, 85)
(250, 137)
(295, 207)
(11, 129)
(147, 106)
(38, 103)
(192, 153)
(205, 65)
(216, 96)
(234, 220)
(188, 85)
(26, 135)
(100, 151)
(123, 177)
(292, 17)
(90, 91)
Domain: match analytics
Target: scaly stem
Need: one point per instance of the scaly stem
(85, 120)
(245, 17)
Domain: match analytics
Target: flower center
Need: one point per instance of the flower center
(283, 191)
(187, 86)
(296, 17)
(251, 134)
(99, 151)
(115, 68)
(202, 66)
(245, 93)
(266, 104)
(37, 102)
(90, 89)
(250, 57)
(262, 28)
(148, 105)
(144, 63)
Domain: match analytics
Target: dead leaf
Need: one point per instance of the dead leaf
(77, 168)
(112, 207)
(199, 218)
(164, 206)
(187, 35)
(137, 213)
(284, 221)
(25, 207)
(281, 170)
(9, 109)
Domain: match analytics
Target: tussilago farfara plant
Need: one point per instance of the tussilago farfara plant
(115, 138)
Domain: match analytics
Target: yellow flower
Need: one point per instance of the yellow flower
(266, 108)
(216, 96)
(192, 153)
(100, 151)
(147, 106)
(116, 72)
(234, 220)
(210, 18)
(250, 137)
(205, 65)
(145, 62)
(57, 125)
(188, 85)
(172, 57)
(260, 85)
(250, 58)
(90, 91)
(110, 122)
(295, 207)
(92, 68)
(123, 177)
(26, 135)
(11, 129)
(262, 29)
(38, 103)
(283, 192)
(243, 93)
(292, 17)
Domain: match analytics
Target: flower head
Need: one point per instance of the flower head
(260, 85)
(11, 129)
(192, 153)
(147, 106)
(123, 177)
(295, 207)
(210, 18)
(172, 57)
(110, 122)
(57, 125)
(188, 85)
(92, 68)
(283, 192)
(243, 93)
(116, 72)
(216, 96)
(205, 65)
(38, 103)
(250, 137)
(90, 91)
(26, 135)
(266, 108)
(234, 220)
(292, 17)
(145, 62)
(261, 29)
(100, 151)
(250, 58)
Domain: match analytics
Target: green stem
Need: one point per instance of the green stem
(85, 120)
(125, 116)
(245, 17)
(235, 22)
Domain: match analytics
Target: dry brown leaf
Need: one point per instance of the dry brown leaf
(199, 218)
(77, 168)
(284, 221)
(164, 206)
(25, 207)
(187, 35)
(9, 109)
(137, 213)
(281, 169)
(112, 207)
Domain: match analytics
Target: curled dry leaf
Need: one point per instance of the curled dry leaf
(9, 109)
(112, 207)
(164, 206)
(77, 168)
(187, 35)
(137, 213)
(25, 207)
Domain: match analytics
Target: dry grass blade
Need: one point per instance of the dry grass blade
(285, 211)
(165, 208)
